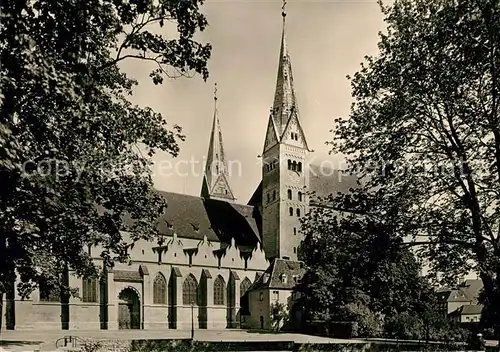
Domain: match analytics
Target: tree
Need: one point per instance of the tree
(424, 133)
(73, 174)
(279, 315)
(359, 270)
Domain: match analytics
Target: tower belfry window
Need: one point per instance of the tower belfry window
(289, 164)
(289, 194)
(299, 167)
(290, 211)
(300, 196)
(298, 212)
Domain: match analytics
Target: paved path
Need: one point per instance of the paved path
(17, 341)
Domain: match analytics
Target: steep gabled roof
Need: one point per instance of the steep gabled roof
(195, 217)
(273, 277)
(472, 309)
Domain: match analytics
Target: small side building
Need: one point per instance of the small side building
(273, 290)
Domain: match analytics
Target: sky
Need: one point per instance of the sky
(327, 40)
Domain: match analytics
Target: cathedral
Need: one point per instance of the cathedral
(221, 264)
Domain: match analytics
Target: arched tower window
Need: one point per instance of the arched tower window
(268, 197)
(289, 194)
(189, 290)
(245, 285)
(298, 212)
(89, 290)
(291, 211)
(294, 165)
(160, 289)
(219, 290)
(300, 196)
(299, 167)
(274, 195)
(289, 164)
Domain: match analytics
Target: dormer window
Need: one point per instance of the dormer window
(284, 278)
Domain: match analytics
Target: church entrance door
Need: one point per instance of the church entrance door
(129, 309)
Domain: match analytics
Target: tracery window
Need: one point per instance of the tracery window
(245, 285)
(89, 290)
(189, 290)
(219, 290)
(160, 289)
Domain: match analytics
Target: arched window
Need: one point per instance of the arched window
(300, 196)
(189, 289)
(219, 290)
(291, 211)
(299, 167)
(268, 197)
(274, 195)
(289, 194)
(244, 286)
(294, 165)
(289, 164)
(298, 212)
(294, 230)
(160, 289)
(89, 290)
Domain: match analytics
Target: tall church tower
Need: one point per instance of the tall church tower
(216, 177)
(285, 176)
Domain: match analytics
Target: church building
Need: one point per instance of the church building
(217, 255)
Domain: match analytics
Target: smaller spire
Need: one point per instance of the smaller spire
(216, 178)
(283, 10)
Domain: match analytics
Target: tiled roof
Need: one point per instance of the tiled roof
(467, 292)
(472, 309)
(195, 217)
(127, 275)
(323, 181)
(273, 277)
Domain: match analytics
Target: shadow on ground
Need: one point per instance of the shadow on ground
(257, 331)
(18, 343)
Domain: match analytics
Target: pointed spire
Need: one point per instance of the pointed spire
(284, 96)
(215, 181)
